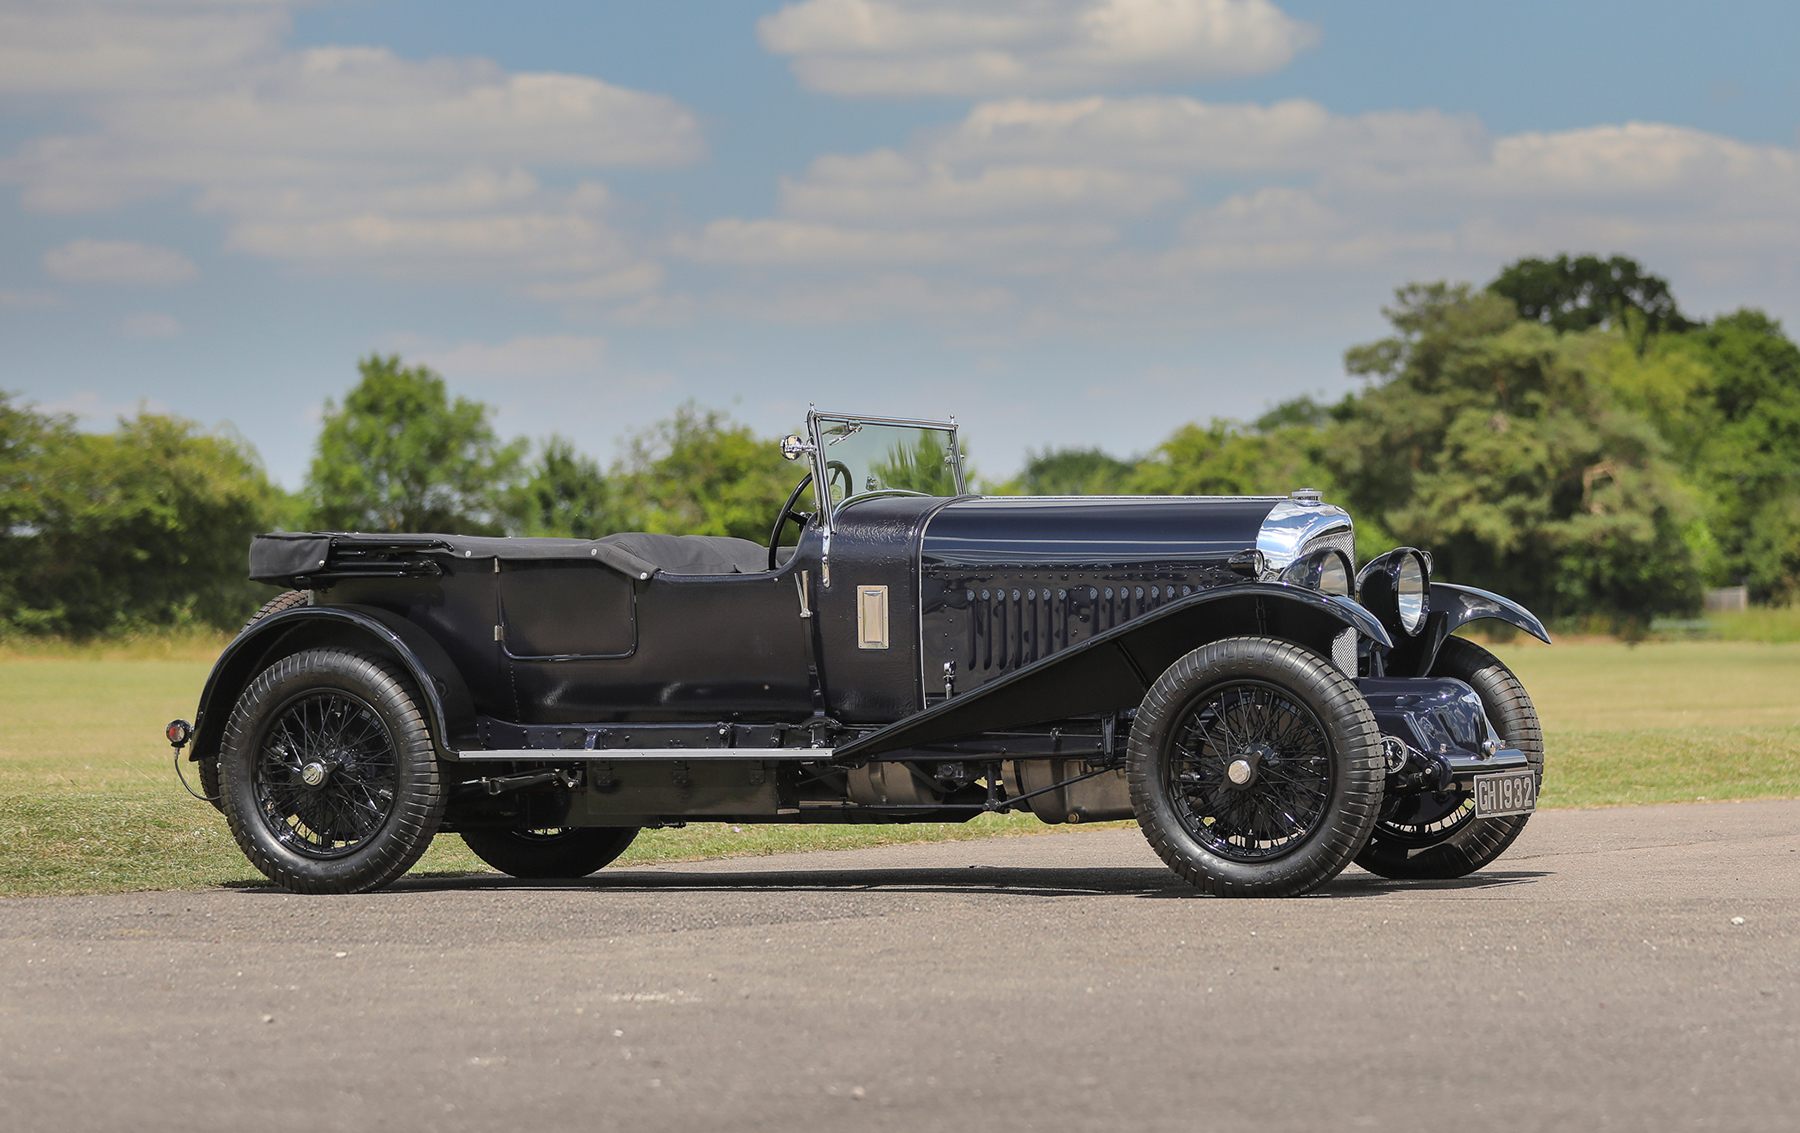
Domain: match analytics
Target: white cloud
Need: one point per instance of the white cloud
(634, 280)
(937, 47)
(105, 46)
(338, 158)
(29, 300)
(1164, 212)
(1187, 135)
(118, 261)
(314, 129)
(801, 243)
(526, 357)
(886, 187)
(150, 325)
(1022, 182)
(877, 297)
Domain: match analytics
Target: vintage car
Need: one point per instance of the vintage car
(1216, 668)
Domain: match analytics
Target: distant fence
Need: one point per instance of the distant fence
(1725, 599)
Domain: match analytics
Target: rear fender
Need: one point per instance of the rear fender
(443, 695)
(1112, 671)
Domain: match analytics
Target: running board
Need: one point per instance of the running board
(643, 754)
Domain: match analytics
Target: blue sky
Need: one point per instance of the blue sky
(1067, 222)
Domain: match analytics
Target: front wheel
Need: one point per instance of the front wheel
(559, 853)
(1458, 843)
(328, 775)
(1255, 768)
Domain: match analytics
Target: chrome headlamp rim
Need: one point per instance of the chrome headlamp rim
(1396, 587)
(1410, 590)
(1326, 569)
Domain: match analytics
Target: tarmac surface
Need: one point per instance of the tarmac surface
(1635, 968)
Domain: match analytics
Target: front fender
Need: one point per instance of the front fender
(1453, 606)
(1112, 671)
(1464, 604)
(443, 693)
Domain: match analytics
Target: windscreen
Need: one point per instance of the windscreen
(863, 457)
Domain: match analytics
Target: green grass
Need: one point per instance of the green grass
(1769, 625)
(89, 804)
(1664, 721)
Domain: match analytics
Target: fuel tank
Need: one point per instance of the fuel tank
(1005, 581)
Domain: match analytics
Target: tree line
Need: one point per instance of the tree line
(1564, 435)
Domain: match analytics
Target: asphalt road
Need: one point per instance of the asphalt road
(1632, 969)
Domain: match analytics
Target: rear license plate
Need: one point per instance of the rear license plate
(1514, 792)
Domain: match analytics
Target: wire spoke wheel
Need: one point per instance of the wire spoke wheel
(1395, 828)
(328, 776)
(1261, 733)
(1255, 768)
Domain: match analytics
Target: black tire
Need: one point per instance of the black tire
(208, 766)
(1302, 735)
(331, 784)
(286, 600)
(567, 852)
(1460, 843)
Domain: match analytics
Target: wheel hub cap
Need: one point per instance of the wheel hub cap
(1243, 771)
(314, 772)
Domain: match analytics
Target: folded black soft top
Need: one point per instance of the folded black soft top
(305, 558)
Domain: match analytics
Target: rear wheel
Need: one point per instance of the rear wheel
(1255, 768)
(286, 600)
(564, 852)
(329, 778)
(1458, 843)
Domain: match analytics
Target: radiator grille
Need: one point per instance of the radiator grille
(1343, 646)
(1343, 540)
(1016, 625)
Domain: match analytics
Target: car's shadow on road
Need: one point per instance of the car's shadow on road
(1145, 882)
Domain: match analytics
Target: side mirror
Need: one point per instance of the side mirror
(793, 447)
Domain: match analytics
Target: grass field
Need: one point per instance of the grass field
(89, 802)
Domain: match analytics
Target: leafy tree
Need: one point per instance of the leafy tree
(24, 435)
(1742, 440)
(25, 438)
(921, 467)
(1073, 472)
(1493, 442)
(699, 473)
(1303, 411)
(1581, 292)
(401, 456)
(146, 526)
(1226, 459)
(567, 494)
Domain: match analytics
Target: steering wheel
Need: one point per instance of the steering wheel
(786, 513)
(833, 470)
